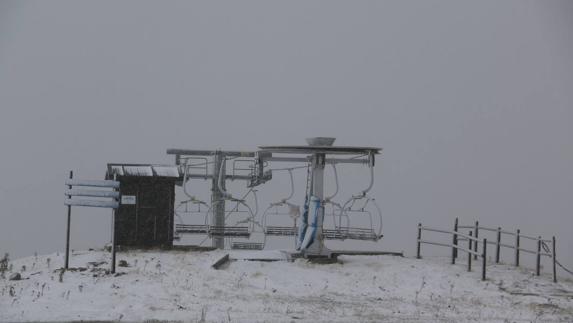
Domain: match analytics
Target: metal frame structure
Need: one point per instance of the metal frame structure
(316, 155)
(317, 152)
(218, 176)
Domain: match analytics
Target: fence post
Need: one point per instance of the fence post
(476, 242)
(538, 264)
(455, 250)
(517, 249)
(484, 257)
(418, 256)
(469, 252)
(67, 261)
(113, 234)
(455, 243)
(498, 246)
(554, 262)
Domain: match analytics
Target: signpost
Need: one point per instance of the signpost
(86, 195)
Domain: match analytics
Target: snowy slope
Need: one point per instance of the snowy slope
(182, 286)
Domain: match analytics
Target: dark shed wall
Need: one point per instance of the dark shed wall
(149, 222)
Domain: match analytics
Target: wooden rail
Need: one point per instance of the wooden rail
(473, 241)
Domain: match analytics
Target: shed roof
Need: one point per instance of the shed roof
(143, 170)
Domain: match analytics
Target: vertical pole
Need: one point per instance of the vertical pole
(517, 249)
(317, 247)
(454, 247)
(67, 261)
(455, 250)
(113, 234)
(418, 256)
(318, 191)
(554, 261)
(476, 242)
(498, 245)
(484, 259)
(217, 200)
(538, 264)
(469, 253)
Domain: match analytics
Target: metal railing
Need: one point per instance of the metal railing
(473, 245)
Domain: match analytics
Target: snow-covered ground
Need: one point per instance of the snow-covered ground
(182, 286)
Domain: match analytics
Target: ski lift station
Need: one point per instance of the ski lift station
(147, 214)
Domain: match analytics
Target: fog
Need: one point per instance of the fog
(472, 102)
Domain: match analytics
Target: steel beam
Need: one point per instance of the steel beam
(327, 161)
(227, 177)
(194, 152)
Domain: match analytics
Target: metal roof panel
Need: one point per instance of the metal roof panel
(166, 171)
(138, 171)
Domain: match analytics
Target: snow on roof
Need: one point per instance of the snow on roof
(116, 169)
(138, 170)
(143, 170)
(166, 171)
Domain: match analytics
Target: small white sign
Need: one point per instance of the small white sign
(128, 199)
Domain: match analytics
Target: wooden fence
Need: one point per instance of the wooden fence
(473, 241)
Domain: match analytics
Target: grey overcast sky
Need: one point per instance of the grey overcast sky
(472, 102)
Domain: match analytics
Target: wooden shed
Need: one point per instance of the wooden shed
(145, 215)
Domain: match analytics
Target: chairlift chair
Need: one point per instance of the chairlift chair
(250, 243)
(277, 209)
(238, 230)
(182, 228)
(210, 230)
(275, 230)
(349, 209)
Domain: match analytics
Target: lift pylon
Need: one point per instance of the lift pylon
(218, 177)
(317, 152)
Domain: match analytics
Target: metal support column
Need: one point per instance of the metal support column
(317, 248)
(217, 200)
(318, 187)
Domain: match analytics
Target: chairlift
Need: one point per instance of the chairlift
(195, 209)
(278, 209)
(331, 208)
(246, 242)
(238, 229)
(350, 209)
